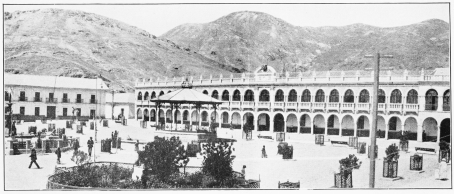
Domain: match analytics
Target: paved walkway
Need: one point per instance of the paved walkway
(312, 165)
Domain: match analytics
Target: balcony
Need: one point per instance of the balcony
(65, 100)
(333, 106)
(235, 104)
(382, 107)
(93, 101)
(79, 100)
(395, 107)
(224, 105)
(305, 105)
(291, 105)
(37, 99)
(411, 108)
(248, 104)
(431, 107)
(278, 105)
(51, 100)
(348, 107)
(263, 105)
(363, 107)
(318, 106)
(22, 98)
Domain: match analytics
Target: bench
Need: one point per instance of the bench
(425, 150)
(339, 142)
(265, 137)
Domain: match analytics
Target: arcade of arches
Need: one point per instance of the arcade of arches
(429, 129)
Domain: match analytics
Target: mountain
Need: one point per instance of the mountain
(79, 44)
(246, 40)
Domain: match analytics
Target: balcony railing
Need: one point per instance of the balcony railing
(37, 99)
(411, 107)
(93, 101)
(394, 107)
(318, 106)
(65, 100)
(51, 100)
(333, 106)
(23, 99)
(348, 106)
(248, 104)
(305, 105)
(363, 106)
(381, 106)
(79, 100)
(263, 104)
(291, 105)
(278, 105)
(235, 104)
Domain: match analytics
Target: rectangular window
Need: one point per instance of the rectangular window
(36, 111)
(79, 110)
(22, 96)
(37, 97)
(22, 110)
(92, 114)
(79, 98)
(92, 99)
(65, 112)
(331, 122)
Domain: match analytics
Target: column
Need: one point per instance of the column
(438, 133)
(326, 126)
(386, 130)
(419, 138)
(440, 104)
(271, 122)
(355, 127)
(312, 127)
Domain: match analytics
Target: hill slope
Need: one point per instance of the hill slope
(246, 40)
(79, 44)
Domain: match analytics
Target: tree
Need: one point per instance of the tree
(217, 161)
(163, 157)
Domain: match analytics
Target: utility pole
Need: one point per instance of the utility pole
(374, 115)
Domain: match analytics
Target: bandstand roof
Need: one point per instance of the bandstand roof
(186, 96)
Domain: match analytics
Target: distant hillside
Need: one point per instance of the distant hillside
(246, 40)
(79, 44)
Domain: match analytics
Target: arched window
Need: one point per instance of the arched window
(264, 96)
(349, 97)
(153, 95)
(431, 100)
(205, 92)
(381, 96)
(236, 95)
(364, 96)
(447, 101)
(249, 95)
(334, 96)
(279, 97)
(225, 95)
(146, 96)
(292, 96)
(396, 96)
(412, 97)
(306, 97)
(161, 93)
(225, 117)
(139, 96)
(320, 96)
(204, 116)
(185, 115)
(215, 94)
(169, 91)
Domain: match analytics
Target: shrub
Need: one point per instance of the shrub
(217, 161)
(79, 157)
(392, 153)
(348, 162)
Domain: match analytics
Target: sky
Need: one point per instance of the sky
(160, 18)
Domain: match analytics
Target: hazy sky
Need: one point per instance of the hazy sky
(158, 19)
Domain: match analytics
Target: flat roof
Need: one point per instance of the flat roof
(54, 81)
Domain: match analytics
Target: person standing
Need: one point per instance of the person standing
(58, 152)
(264, 152)
(90, 146)
(243, 171)
(76, 145)
(136, 146)
(33, 159)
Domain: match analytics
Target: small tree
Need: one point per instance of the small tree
(163, 157)
(348, 163)
(80, 157)
(392, 153)
(217, 161)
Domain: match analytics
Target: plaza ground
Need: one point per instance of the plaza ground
(312, 165)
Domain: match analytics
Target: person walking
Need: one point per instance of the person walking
(243, 171)
(58, 152)
(33, 159)
(76, 145)
(264, 152)
(90, 146)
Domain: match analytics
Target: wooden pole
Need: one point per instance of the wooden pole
(374, 116)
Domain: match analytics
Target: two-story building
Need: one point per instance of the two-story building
(335, 103)
(36, 97)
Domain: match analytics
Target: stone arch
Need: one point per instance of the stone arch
(139, 96)
(279, 122)
(381, 96)
(349, 96)
(225, 95)
(320, 96)
(279, 97)
(306, 96)
(153, 115)
(381, 127)
(396, 96)
(364, 96)
(292, 123)
(225, 118)
(447, 100)
(445, 130)
(195, 118)
(292, 96)
(215, 94)
(263, 122)
(319, 124)
(333, 125)
(264, 96)
(145, 97)
(248, 121)
(305, 123)
(177, 117)
(169, 116)
(205, 92)
(204, 116)
(153, 95)
(411, 125)
(363, 126)
(236, 120)
(161, 114)
(139, 114)
(146, 116)
(431, 100)
(214, 117)
(430, 130)
(347, 126)
(249, 95)
(334, 96)
(394, 128)
(161, 93)
(412, 97)
(236, 95)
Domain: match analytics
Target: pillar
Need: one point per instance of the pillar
(326, 126)
(440, 103)
(419, 137)
(438, 133)
(312, 127)
(386, 130)
(355, 127)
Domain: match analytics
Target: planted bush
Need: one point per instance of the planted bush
(217, 161)
(390, 162)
